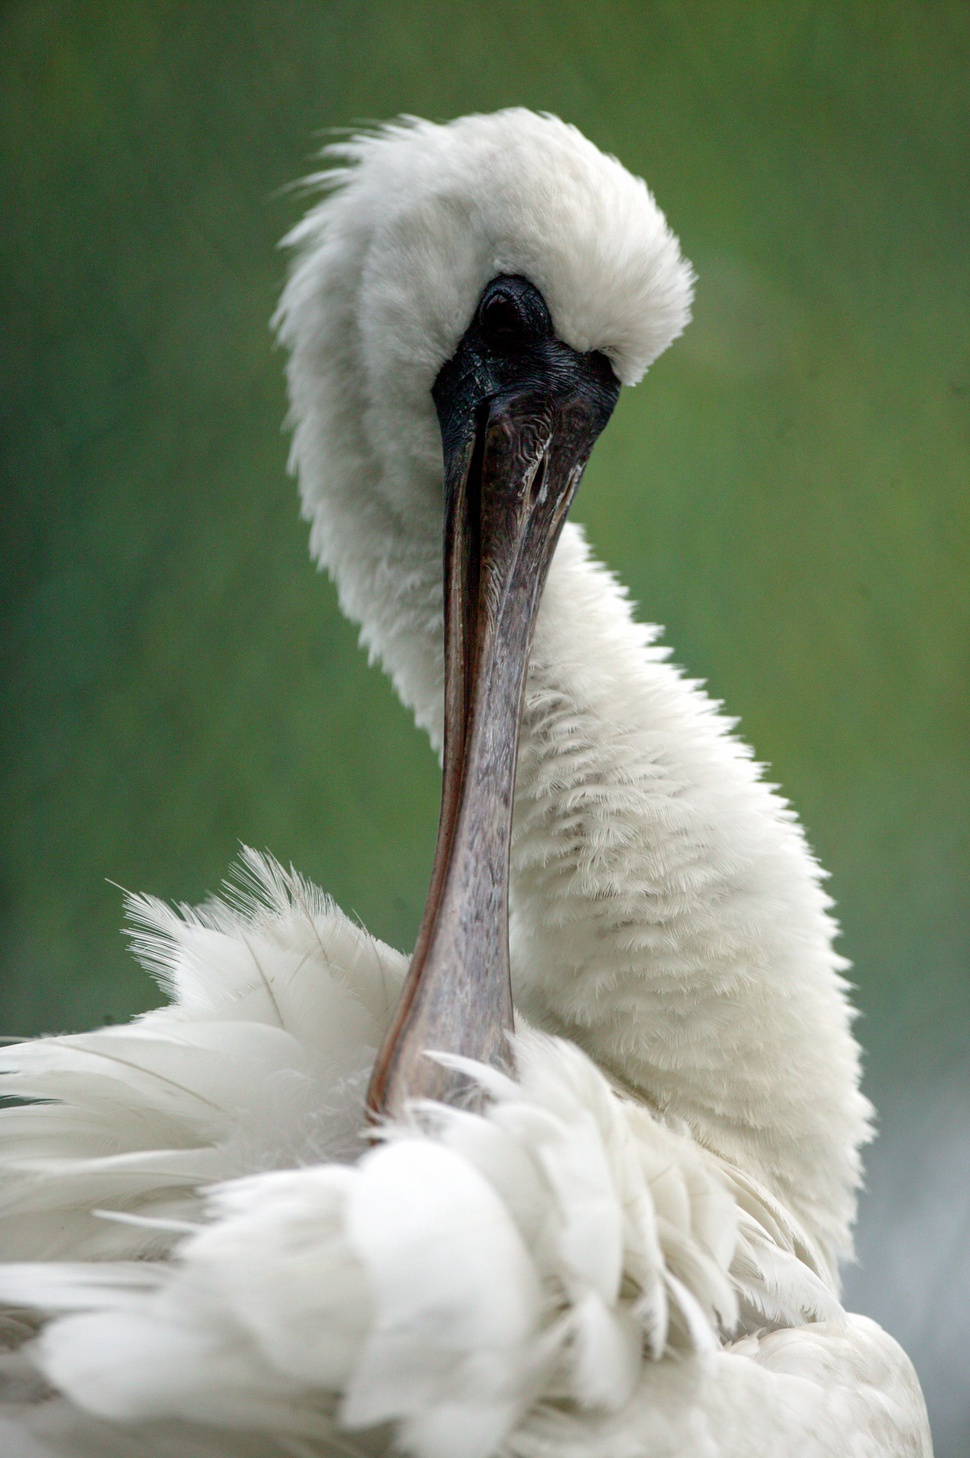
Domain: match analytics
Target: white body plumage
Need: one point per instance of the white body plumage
(632, 1250)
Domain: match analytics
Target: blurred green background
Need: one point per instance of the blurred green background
(787, 491)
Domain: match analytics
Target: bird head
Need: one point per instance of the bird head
(416, 221)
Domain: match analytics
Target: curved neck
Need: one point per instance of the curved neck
(666, 912)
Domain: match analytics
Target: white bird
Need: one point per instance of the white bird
(613, 1234)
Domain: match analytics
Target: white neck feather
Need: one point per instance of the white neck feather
(668, 914)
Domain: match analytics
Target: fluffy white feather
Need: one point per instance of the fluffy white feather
(261, 1062)
(470, 1266)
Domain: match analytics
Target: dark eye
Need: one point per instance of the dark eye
(501, 318)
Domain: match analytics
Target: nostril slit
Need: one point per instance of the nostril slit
(538, 481)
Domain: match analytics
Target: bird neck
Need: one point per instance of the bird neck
(667, 914)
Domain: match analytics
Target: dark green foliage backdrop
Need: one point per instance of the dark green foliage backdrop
(787, 491)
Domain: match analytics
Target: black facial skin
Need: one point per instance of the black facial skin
(510, 347)
(519, 413)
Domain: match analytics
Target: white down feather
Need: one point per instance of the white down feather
(260, 1062)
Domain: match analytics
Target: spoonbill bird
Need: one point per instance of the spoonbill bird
(328, 1203)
